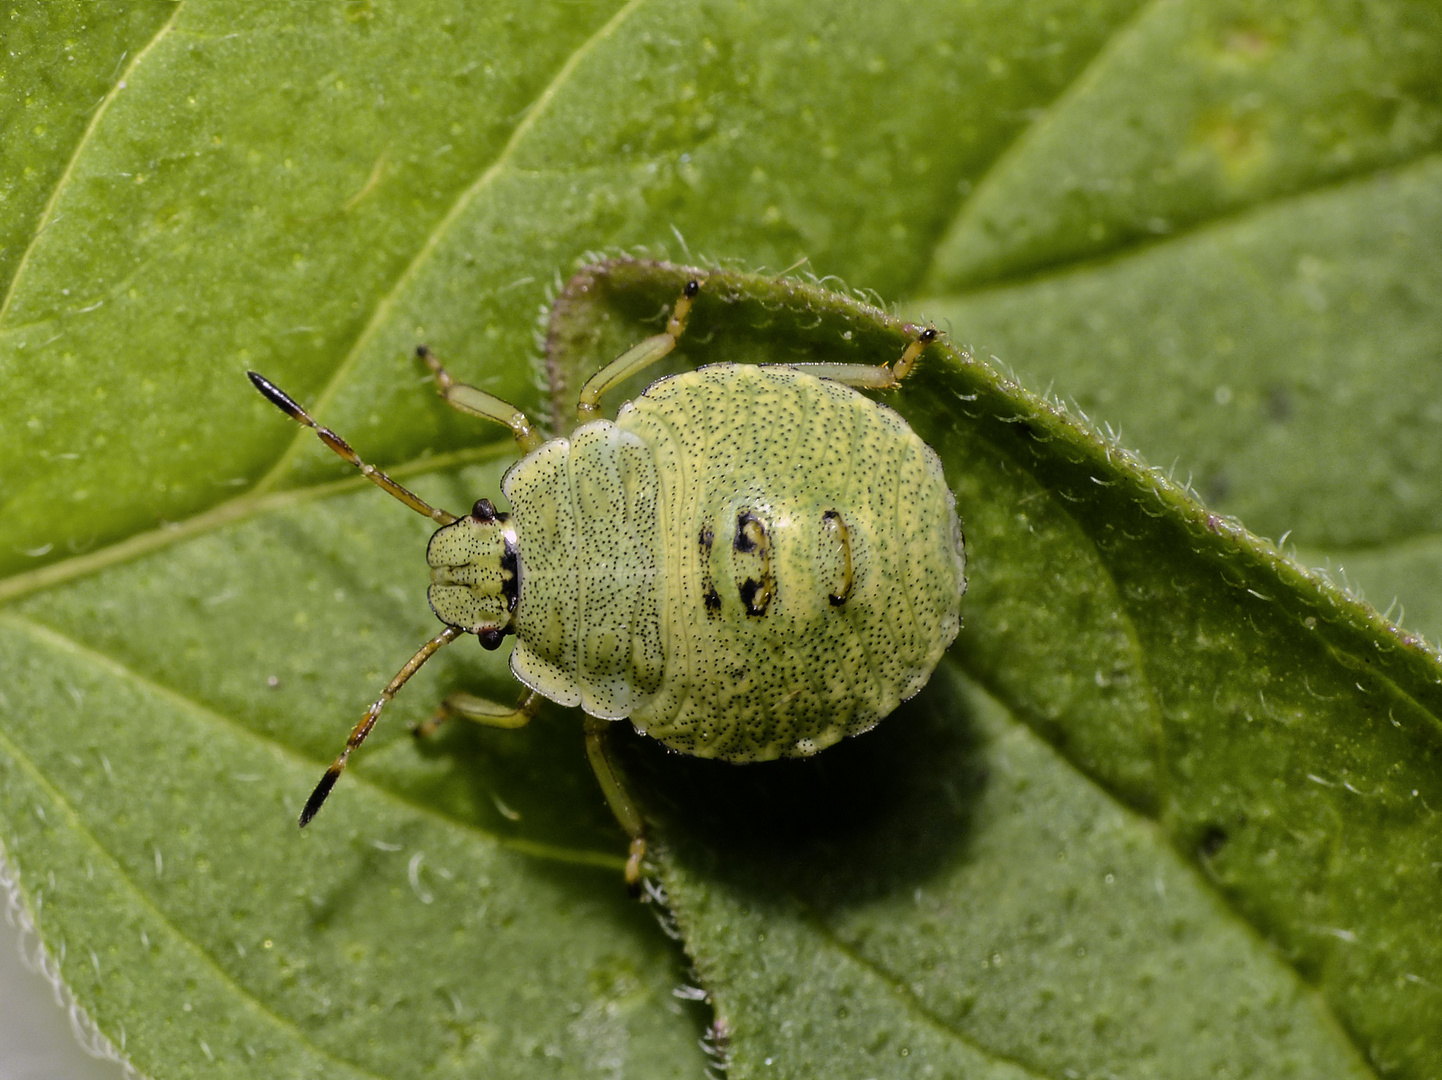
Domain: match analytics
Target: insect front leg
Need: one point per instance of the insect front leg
(639, 357)
(622, 806)
(477, 402)
(481, 710)
(869, 376)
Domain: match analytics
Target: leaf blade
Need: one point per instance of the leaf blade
(607, 163)
(1297, 746)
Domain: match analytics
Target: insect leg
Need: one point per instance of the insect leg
(474, 400)
(639, 357)
(620, 802)
(481, 711)
(368, 721)
(868, 376)
(909, 356)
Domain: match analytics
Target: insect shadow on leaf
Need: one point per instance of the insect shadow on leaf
(870, 817)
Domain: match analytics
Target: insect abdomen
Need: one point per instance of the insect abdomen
(814, 563)
(588, 625)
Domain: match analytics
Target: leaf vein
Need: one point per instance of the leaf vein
(1141, 246)
(47, 214)
(1207, 883)
(233, 511)
(433, 238)
(1027, 132)
(903, 993)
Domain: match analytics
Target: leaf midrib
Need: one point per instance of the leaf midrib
(234, 511)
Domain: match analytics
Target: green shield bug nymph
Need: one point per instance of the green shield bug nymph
(750, 562)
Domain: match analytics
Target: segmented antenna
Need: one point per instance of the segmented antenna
(361, 730)
(282, 401)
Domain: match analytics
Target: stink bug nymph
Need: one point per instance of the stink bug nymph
(750, 562)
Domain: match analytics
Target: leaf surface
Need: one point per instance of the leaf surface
(1146, 821)
(1244, 826)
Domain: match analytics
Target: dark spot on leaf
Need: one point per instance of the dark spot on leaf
(1279, 403)
(1212, 840)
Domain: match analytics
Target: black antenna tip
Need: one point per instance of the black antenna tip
(261, 383)
(318, 796)
(275, 395)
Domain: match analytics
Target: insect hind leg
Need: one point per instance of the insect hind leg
(868, 376)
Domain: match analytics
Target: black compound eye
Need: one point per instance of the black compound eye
(490, 639)
(929, 334)
(692, 287)
(484, 511)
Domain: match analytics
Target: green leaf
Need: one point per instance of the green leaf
(1230, 845)
(1145, 821)
(1196, 111)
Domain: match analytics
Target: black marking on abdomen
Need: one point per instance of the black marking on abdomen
(752, 545)
(755, 596)
(831, 521)
(709, 596)
(750, 532)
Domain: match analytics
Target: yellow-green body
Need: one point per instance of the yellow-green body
(748, 563)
